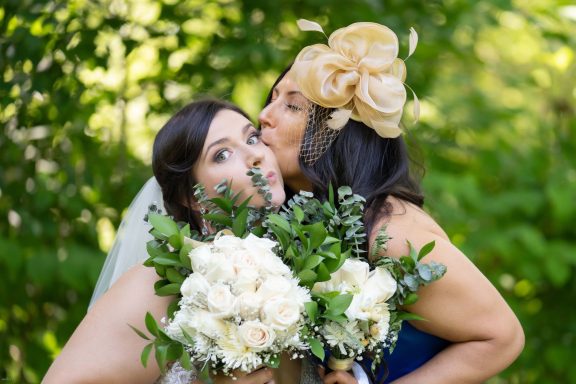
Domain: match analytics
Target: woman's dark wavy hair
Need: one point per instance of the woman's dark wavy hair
(374, 167)
(176, 149)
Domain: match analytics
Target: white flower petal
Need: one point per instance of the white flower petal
(307, 25)
(413, 42)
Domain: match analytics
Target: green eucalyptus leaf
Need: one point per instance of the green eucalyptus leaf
(139, 332)
(174, 276)
(339, 304)
(169, 290)
(175, 241)
(151, 324)
(317, 348)
(146, 354)
(426, 249)
(164, 224)
(185, 361)
(307, 276)
(298, 213)
(312, 261)
(312, 310)
(239, 224)
(280, 222)
(323, 272)
(317, 233)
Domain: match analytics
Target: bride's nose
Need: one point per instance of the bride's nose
(255, 157)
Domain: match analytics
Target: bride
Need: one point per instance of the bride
(205, 142)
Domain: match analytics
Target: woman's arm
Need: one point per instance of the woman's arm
(104, 349)
(462, 307)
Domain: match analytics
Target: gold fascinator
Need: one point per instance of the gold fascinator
(358, 73)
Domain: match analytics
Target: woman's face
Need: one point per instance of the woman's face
(283, 122)
(232, 147)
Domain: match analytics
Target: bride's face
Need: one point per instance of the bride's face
(232, 147)
(283, 122)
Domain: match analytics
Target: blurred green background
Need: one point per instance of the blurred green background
(86, 85)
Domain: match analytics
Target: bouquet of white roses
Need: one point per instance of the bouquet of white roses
(237, 305)
(355, 307)
(240, 307)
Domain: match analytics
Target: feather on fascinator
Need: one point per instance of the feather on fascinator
(358, 74)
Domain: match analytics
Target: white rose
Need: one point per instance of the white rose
(331, 285)
(248, 305)
(179, 322)
(220, 268)
(226, 243)
(207, 324)
(354, 273)
(193, 285)
(274, 286)
(280, 313)
(247, 280)
(271, 264)
(259, 242)
(380, 285)
(200, 258)
(220, 301)
(255, 335)
(242, 259)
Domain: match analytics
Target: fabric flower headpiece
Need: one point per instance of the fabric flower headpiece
(358, 73)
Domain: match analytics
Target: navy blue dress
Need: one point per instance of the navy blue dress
(413, 349)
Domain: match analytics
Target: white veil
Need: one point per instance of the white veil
(129, 247)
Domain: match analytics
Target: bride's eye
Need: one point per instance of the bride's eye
(221, 155)
(254, 138)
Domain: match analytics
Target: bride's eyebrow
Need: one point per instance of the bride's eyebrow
(225, 139)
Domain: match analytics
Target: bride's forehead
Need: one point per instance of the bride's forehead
(227, 123)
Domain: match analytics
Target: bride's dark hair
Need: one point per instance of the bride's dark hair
(374, 167)
(177, 147)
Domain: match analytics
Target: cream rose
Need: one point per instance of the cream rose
(354, 273)
(193, 285)
(248, 305)
(220, 300)
(255, 335)
(247, 280)
(220, 269)
(208, 324)
(280, 313)
(273, 286)
(380, 285)
(200, 258)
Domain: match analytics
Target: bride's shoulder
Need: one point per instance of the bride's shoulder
(402, 221)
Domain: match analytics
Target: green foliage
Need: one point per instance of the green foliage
(316, 237)
(85, 85)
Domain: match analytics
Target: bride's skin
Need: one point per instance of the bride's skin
(104, 349)
(462, 307)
